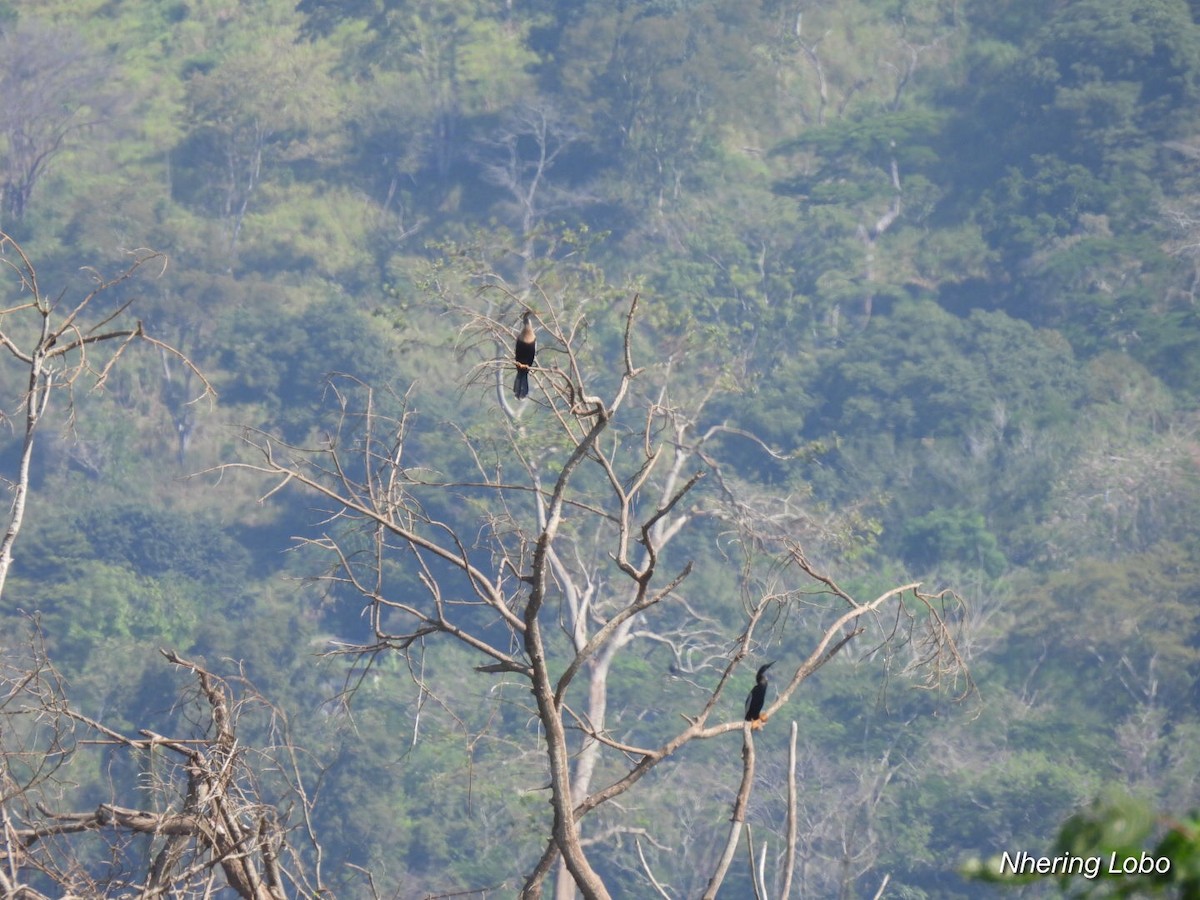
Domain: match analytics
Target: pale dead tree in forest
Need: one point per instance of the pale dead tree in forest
(559, 551)
(881, 65)
(518, 158)
(877, 72)
(52, 88)
(58, 342)
(208, 811)
(250, 108)
(839, 821)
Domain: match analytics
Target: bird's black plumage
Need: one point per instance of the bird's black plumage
(524, 353)
(757, 697)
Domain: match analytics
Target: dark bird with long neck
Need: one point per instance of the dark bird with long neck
(524, 353)
(757, 698)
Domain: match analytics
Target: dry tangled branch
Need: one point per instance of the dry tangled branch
(210, 810)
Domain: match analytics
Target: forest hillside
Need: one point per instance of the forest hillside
(909, 286)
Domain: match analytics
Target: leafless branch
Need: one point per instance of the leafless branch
(738, 819)
(56, 349)
(211, 814)
(570, 559)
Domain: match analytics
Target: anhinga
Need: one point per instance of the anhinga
(757, 698)
(525, 351)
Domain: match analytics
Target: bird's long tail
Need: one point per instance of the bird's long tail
(521, 384)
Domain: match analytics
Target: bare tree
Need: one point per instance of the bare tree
(518, 159)
(253, 109)
(207, 810)
(58, 342)
(52, 87)
(886, 58)
(582, 499)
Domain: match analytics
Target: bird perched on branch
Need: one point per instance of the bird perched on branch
(525, 351)
(757, 698)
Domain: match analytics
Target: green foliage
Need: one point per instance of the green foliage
(851, 146)
(654, 77)
(1124, 846)
(1006, 803)
(1144, 609)
(951, 535)
(127, 573)
(105, 602)
(944, 375)
(258, 349)
(321, 235)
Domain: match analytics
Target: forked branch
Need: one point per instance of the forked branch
(56, 348)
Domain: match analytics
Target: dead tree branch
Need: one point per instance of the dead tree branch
(212, 814)
(568, 556)
(59, 345)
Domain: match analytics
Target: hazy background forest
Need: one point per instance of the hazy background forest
(940, 256)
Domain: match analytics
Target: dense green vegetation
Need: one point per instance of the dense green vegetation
(941, 256)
